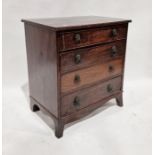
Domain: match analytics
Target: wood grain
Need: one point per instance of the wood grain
(87, 110)
(90, 75)
(92, 37)
(91, 55)
(89, 96)
(42, 66)
(71, 23)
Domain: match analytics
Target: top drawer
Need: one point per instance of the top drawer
(82, 38)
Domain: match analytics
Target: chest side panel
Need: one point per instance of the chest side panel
(42, 66)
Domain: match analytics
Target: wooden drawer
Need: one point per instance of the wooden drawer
(83, 98)
(78, 79)
(82, 38)
(80, 58)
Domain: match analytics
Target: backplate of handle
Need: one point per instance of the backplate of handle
(77, 58)
(113, 51)
(77, 37)
(109, 88)
(111, 68)
(76, 101)
(114, 32)
(77, 78)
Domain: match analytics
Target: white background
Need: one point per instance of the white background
(114, 131)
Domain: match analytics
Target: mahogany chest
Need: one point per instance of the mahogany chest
(75, 65)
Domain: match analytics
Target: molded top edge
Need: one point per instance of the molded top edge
(66, 23)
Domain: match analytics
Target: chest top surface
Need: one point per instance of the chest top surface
(66, 23)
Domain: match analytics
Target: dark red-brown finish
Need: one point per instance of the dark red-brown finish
(91, 75)
(75, 65)
(91, 37)
(74, 23)
(92, 55)
(42, 66)
(89, 96)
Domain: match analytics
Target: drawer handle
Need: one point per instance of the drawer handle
(114, 32)
(109, 88)
(77, 79)
(113, 51)
(76, 101)
(77, 58)
(111, 68)
(77, 38)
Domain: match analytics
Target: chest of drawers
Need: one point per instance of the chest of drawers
(75, 65)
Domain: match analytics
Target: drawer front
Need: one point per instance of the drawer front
(76, 39)
(85, 57)
(83, 98)
(77, 79)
